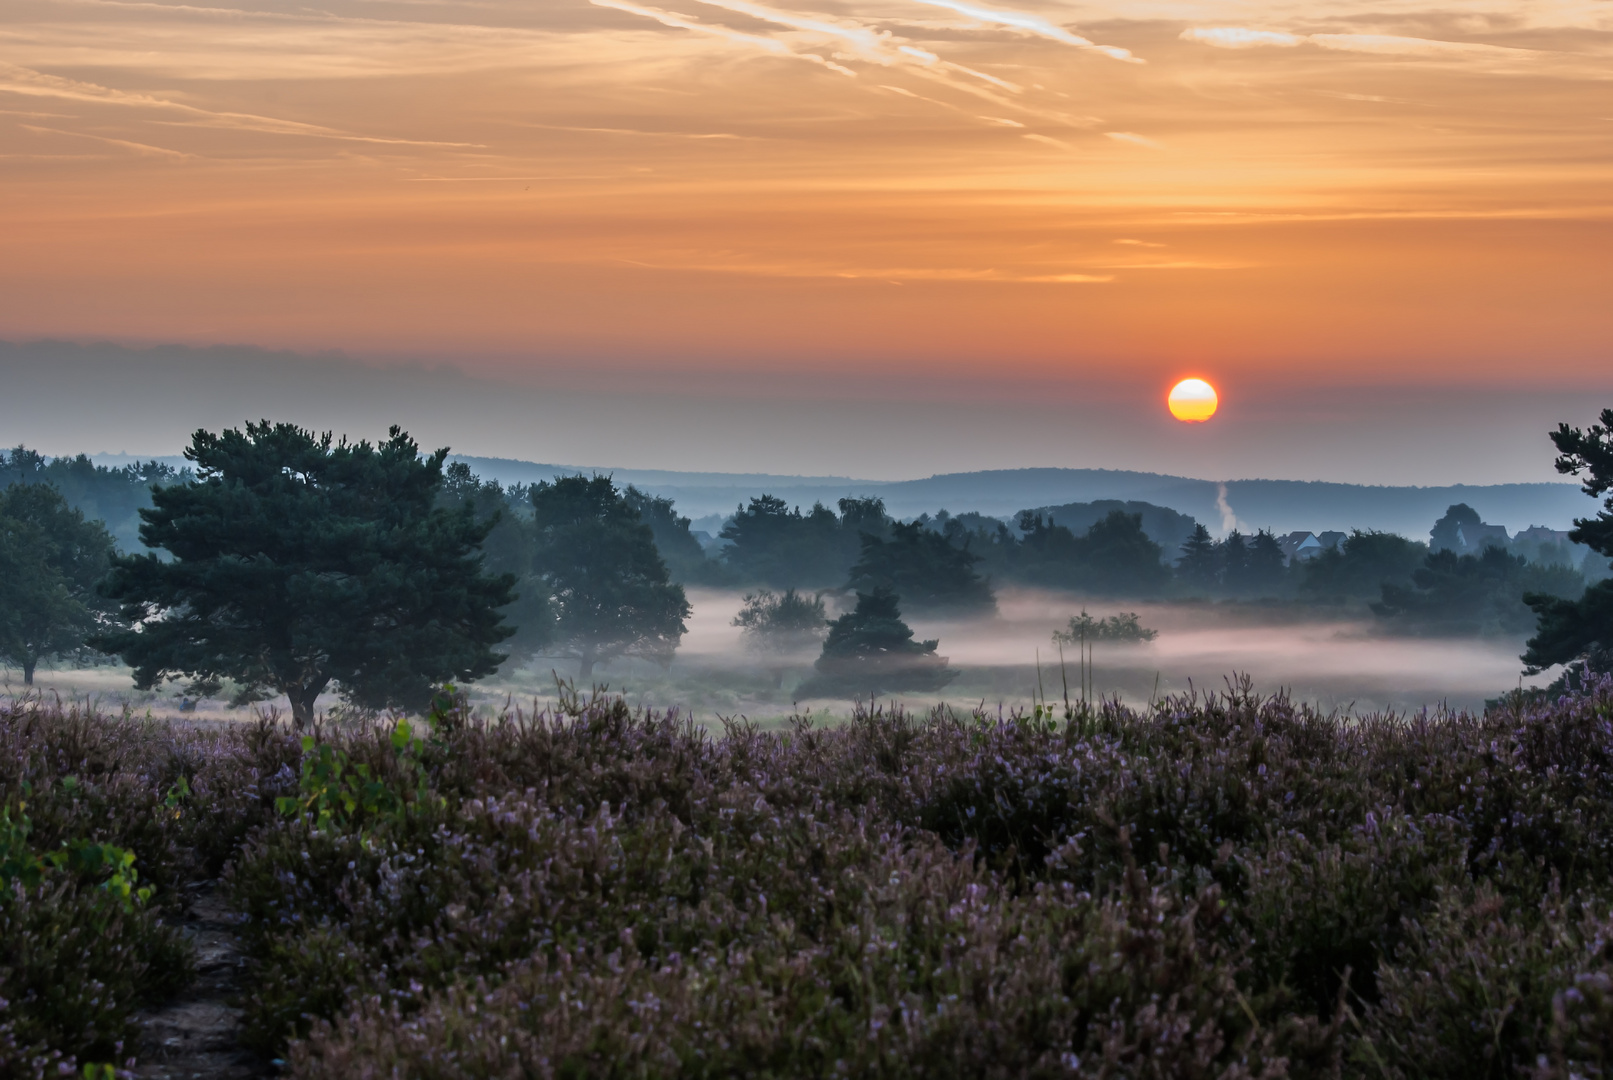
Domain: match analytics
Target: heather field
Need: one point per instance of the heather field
(1226, 886)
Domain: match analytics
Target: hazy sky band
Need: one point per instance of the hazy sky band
(1274, 194)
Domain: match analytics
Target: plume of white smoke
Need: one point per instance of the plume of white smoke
(1229, 520)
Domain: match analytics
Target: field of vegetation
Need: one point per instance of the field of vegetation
(416, 885)
(1227, 886)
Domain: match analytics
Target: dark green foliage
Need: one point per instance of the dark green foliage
(1569, 630)
(1232, 555)
(1047, 555)
(50, 560)
(298, 563)
(930, 574)
(1198, 566)
(871, 651)
(685, 559)
(114, 496)
(1359, 567)
(1466, 595)
(771, 544)
(508, 548)
(1254, 566)
(605, 581)
(1121, 559)
(1447, 532)
(1168, 528)
(1114, 558)
(1590, 452)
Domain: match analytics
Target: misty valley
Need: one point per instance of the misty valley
(331, 759)
(1357, 619)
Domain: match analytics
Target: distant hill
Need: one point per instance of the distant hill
(1279, 505)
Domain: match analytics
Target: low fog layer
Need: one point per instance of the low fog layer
(1336, 663)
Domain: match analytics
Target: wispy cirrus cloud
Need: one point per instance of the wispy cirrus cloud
(143, 149)
(852, 41)
(1132, 138)
(1032, 24)
(1240, 37)
(15, 79)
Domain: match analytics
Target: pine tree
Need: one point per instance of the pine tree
(298, 565)
(871, 651)
(1199, 565)
(1580, 632)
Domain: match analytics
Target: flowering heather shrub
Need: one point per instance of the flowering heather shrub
(103, 821)
(1230, 886)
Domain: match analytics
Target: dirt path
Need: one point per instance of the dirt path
(198, 1034)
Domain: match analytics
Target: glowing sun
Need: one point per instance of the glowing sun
(1193, 400)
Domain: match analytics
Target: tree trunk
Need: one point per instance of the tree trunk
(302, 702)
(587, 671)
(28, 665)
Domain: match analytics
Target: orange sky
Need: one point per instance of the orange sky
(1067, 194)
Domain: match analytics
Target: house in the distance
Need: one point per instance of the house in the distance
(1539, 534)
(1303, 546)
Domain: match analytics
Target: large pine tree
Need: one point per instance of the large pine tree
(298, 565)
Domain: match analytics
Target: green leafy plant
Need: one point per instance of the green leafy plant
(333, 789)
(112, 866)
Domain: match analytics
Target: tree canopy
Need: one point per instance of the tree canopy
(871, 651)
(920, 565)
(1255, 565)
(1459, 595)
(1115, 557)
(50, 560)
(772, 544)
(1124, 628)
(686, 560)
(781, 622)
(1447, 532)
(605, 581)
(1360, 566)
(114, 496)
(1199, 565)
(1579, 631)
(509, 548)
(299, 564)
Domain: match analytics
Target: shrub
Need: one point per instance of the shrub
(1224, 885)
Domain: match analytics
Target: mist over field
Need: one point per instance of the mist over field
(1344, 663)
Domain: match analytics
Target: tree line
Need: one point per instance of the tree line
(283, 562)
